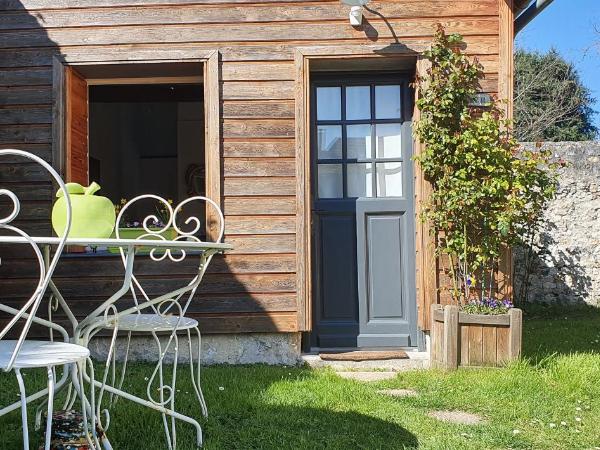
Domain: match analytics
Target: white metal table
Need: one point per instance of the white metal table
(107, 316)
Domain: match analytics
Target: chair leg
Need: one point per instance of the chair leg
(23, 409)
(50, 408)
(161, 389)
(77, 377)
(113, 398)
(196, 377)
(173, 389)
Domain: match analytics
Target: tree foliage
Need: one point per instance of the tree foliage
(486, 192)
(551, 103)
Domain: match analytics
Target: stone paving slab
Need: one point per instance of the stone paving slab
(459, 417)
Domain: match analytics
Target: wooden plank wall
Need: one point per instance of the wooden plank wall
(253, 288)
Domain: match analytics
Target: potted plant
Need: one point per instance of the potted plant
(132, 228)
(487, 195)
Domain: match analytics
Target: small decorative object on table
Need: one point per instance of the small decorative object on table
(93, 216)
(134, 229)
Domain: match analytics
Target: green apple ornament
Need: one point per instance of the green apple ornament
(92, 216)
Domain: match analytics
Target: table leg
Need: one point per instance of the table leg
(149, 404)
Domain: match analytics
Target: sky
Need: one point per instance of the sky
(573, 28)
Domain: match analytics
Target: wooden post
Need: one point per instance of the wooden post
(450, 337)
(515, 333)
(436, 337)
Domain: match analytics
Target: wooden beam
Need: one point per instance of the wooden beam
(450, 345)
(504, 278)
(58, 116)
(76, 127)
(303, 195)
(427, 263)
(148, 80)
(212, 152)
(506, 64)
(515, 333)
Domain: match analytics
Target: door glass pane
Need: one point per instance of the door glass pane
(388, 143)
(329, 141)
(387, 102)
(330, 181)
(389, 179)
(358, 102)
(359, 180)
(358, 141)
(329, 103)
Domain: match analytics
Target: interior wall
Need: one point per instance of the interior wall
(146, 147)
(190, 141)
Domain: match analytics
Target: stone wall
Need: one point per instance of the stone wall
(567, 267)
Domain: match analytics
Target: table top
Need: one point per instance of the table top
(111, 242)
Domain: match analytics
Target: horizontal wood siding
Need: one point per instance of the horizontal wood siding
(253, 288)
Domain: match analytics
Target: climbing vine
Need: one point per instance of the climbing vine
(487, 193)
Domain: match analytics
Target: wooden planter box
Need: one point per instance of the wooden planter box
(461, 339)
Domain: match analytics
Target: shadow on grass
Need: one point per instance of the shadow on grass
(254, 407)
(279, 427)
(560, 330)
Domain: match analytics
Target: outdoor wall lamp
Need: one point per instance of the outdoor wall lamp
(356, 12)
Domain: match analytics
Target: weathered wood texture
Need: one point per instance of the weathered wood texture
(256, 287)
(76, 126)
(460, 339)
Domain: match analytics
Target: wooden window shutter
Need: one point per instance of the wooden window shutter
(76, 140)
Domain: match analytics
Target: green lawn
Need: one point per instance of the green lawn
(532, 404)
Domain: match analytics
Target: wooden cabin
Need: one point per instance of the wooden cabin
(296, 122)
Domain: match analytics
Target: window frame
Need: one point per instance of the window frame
(210, 59)
(345, 80)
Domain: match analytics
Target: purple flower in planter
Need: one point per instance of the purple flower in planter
(488, 305)
(507, 303)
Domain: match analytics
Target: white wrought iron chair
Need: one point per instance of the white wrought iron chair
(19, 354)
(167, 317)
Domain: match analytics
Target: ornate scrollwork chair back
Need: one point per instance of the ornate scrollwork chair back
(154, 227)
(21, 353)
(28, 311)
(166, 313)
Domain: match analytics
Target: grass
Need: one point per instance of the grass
(262, 407)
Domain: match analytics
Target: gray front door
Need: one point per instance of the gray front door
(362, 213)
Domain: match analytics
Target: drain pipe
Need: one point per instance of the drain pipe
(530, 13)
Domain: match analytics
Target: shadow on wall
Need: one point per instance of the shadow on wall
(556, 274)
(238, 292)
(565, 268)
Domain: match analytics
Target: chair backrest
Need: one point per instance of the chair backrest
(172, 223)
(46, 268)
